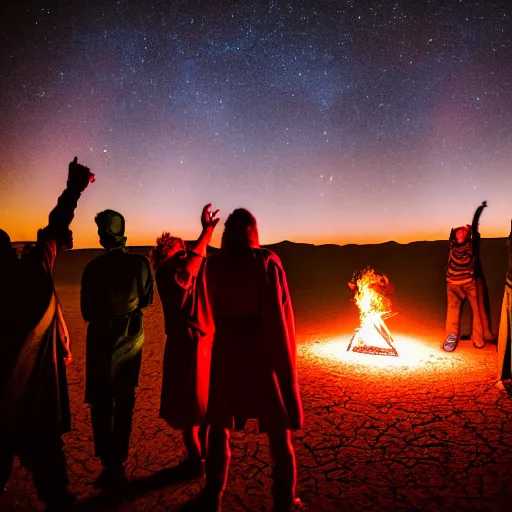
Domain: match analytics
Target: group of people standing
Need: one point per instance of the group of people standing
(230, 353)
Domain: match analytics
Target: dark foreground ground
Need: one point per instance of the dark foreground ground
(425, 431)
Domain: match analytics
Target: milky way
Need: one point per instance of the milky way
(333, 121)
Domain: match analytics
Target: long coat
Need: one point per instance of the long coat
(189, 328)
(116, 286)
(253, 374)
(505, 328)
(34, 394)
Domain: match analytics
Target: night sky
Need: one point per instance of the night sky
(332, 121)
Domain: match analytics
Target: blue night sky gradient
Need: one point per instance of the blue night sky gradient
(333, 121)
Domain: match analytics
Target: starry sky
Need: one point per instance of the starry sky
(332, 121)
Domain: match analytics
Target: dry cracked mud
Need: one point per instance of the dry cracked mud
(427, 432)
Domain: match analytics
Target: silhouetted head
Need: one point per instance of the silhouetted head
(461, 234)
(111, 229)
(7, 252)
(166, 247)
(240, 232)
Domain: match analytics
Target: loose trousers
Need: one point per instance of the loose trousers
(111, 417)
(456, 295)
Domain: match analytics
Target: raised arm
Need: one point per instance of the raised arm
(476, 218)
(61, 216)
(208, 221)
(197, 252)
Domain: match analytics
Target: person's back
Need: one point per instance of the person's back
(234, 284)
(116, 286)
(115, 283)
(35, 349)
(253, 373)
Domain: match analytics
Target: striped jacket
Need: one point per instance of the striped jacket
(461, 261)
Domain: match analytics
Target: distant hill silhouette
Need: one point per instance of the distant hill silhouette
(318, 274)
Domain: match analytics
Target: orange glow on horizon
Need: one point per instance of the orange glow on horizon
(27, 231)
(22, 224)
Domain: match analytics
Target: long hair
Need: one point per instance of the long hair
(165, 244)
(240, 232)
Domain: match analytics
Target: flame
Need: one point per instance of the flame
(369, 297)
(374, 306)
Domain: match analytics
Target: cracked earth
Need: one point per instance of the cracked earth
(425, 431)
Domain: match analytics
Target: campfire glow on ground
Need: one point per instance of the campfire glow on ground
(372, 343)
(413, 353)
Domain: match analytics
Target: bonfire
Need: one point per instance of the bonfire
(370, 295)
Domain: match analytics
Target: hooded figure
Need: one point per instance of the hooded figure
(116, 286)
(34, 350)
(465, 280)
(253, 371)
(505, 331)
(179, 275)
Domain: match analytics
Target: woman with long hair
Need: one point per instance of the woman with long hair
(253, 374)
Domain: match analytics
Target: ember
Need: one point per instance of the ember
(372, 337)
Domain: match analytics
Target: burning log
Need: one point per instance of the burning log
(370, 295)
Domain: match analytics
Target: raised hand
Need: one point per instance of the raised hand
(79, 176)
(209, 219)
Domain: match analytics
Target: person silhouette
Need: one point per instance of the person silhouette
(115, 287)
(179, 275)
(465, 280)
(505, 328)
(253, 368)
(35, 350)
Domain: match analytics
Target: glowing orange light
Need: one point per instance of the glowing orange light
(373, 336)
(415, 353)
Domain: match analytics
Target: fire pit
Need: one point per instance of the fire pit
(370, 295)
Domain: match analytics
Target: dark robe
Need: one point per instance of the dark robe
(481, 283)
(253, 373)
(189, 328)
(34, 395)
(116, 286)
(505, 328)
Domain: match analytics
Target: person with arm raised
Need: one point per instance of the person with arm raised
(35, 351)
(253, 369)
(461, 278)
(179, 276)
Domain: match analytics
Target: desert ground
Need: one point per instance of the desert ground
(423, 431)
